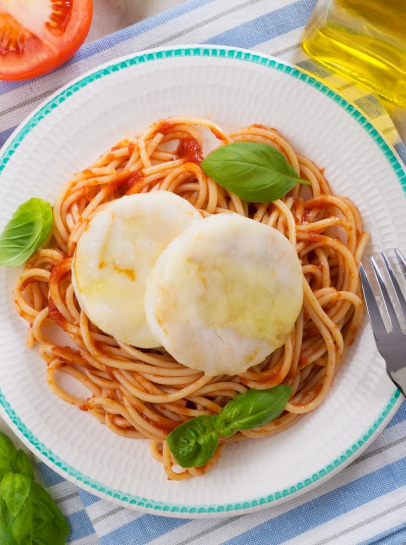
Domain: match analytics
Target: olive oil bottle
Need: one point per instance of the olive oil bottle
(363, 39)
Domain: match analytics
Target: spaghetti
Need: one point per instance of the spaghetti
(145, 393)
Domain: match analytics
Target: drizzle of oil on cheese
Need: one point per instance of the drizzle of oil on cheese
(224, 294)
(115, 256)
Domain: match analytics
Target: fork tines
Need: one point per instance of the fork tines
(375, 317)
(391, 344)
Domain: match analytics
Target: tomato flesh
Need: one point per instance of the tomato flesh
(12, 36)
(60, 15)
(37, 36)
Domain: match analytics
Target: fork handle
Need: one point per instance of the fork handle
(398, 376)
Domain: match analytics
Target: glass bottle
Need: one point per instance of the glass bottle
(363, 39)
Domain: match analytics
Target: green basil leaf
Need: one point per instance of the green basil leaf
(6, 537)
(14, 490)
(8, 453)
(252, 409)
(29, 516)
(22, 464)
(20, 525)
(254, 171)
(49, 525)
(194, 442)
(29, 226)
(42, 517)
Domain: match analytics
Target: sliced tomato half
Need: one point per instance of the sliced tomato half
(37, 36)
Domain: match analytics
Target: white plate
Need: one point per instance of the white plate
(234, 88)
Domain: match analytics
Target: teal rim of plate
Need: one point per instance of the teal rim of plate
(226, 53)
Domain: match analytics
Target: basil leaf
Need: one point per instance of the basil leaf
(29, 516)
(29, 226)
(6, 537)
(22, 464)
(254, 171)
(20, 525)
(48, 524)
(253, 409)
(14, 490)
(42, 517)
(7, 453)
(194, 442)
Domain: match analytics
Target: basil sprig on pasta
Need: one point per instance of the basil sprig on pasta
(28, 513)
(194, 442)
(254, 171)
(28, 228)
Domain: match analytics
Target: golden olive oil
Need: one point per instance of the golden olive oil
(365, 40)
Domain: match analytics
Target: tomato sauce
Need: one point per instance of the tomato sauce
(126, 180)
(219, 135)
(190, 149)
(135, 183)
(165, 126)
(56, 316)
(318, 203)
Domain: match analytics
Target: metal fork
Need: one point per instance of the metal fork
(391, 344)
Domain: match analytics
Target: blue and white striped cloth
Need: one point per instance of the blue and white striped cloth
(366, 502)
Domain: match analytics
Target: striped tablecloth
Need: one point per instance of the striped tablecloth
(366, 502)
